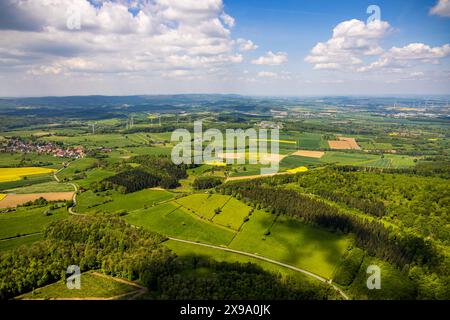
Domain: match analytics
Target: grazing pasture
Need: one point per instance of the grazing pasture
(25, 221)
(203, 205)
(100, 140)
(310, 141)
(112, 201)
(292, 242)
(173, 220)
(9, 244)
(52, 186)
(232, 214)
(30, 160)
(187, 249)
(294, 161)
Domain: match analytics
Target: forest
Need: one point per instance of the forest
(400, 247)
(202, 183)
(151, 172)
(418, 203)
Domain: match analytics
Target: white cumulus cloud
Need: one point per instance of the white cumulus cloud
(145, 37)
(272, 59)
(246, 45)
(442, 8)
(351, 41)
(398, 58)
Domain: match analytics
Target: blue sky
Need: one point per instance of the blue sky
(296, 26)
(278, 23)
(286, 47)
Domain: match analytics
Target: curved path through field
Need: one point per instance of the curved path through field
(74, 186)
(310, 274)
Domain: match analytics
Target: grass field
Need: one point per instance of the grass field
(292, 162)
(89, 202)
(344, 158)
(233, 214)
(52, 186)
(101, 140)
(25, 221)
(376, 146)
(93, 286)
(93, 175)
(76, 167)
(279, 141)
(393, 161)
(156, 151)
(172, 220)
(203, 205)
(290, 241)
(186, 249)
(30, 159)
(13, 243)
(30, 181)
(311, 141)
(14, 174)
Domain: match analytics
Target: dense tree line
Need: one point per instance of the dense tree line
(152, 172)
(418, 203)
(235, 281)
(133, 180)
(377, 239)
(161, 163)
(101, 243)
(427, 168)
(424, 262)
(108, 244)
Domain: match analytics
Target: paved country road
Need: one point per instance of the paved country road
(74, 186)
(267, 260)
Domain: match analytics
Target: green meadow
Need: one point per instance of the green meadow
(203, 205)
(29, 181)
(172, 220)
(112, 201)
(232, 214)
(187, 249)
(92, 286)
(15, 227)
(283, 239)
(292, 242)
(51, 186)
(13, 243)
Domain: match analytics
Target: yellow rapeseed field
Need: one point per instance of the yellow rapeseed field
(2, 196)
(14, 174)
(299, 169)
(216, 164)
